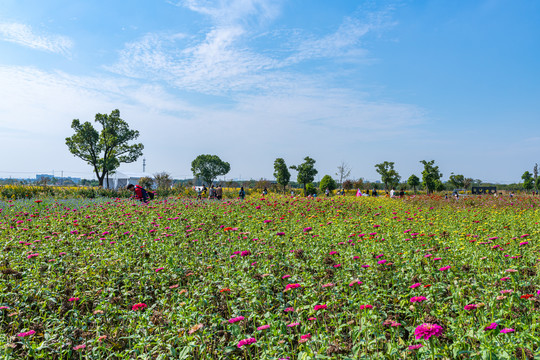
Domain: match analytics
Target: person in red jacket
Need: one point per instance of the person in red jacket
(139, 193)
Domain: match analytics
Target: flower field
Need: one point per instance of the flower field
(273, 278)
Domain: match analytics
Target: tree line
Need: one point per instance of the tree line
(105, 149)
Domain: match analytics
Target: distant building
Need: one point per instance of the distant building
(43, 176)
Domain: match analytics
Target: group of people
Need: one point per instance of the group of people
(215, 192)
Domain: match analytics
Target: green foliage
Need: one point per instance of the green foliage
(413, 182)
(327, 183)
(457, 181)
(107, 149)
(209, 167)
(430, 176)
(389, 176)
(146, 182)
(281, 173)
(528, 181)
(306, 171)
(310, 189)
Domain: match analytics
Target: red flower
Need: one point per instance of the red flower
(526, 296)
(225, 290)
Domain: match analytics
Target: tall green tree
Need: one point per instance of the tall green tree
(389, 176)
(457, 181)
(528, 180)
(413, 182)
(306, 172)
(431, 176)
(163, 180)
(209, 167)
(281, 173)
(327, 183)
(107, 149)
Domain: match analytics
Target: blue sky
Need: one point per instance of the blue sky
(252, 80)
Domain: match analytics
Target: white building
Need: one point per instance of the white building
(121, 179)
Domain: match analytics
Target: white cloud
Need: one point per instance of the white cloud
(228, 12)
(24, 35)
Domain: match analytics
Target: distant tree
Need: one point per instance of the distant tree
(439, 186)
(306, 172)
(261, 184)
(310, 189)
(327, 183)
(413, 182)
(163, 180)
(146, 182)
(344, 171)
(430, 175)
(389, 176)
(457, 181)
(281, 173)
(347, 185)
(467, 183)
(106, 149)
(358, 184)
(209, 167)
(528, 181)
(535, 172)
(537, 183)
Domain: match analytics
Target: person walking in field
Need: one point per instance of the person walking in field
(199, 193)
(219, 192)
(212, 193)
(327, 192)
(242, 193)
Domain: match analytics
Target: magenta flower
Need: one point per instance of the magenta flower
(264, 327)
(444, 268)
(236, 319)
(330, 285)
(362, 307)
(79, 347)
(507, 330)
(337, 265)
(74, 299)
(523, 243)
(289, 309)
(381, 262)
(415, 347)
(491, 326)
(355, 282)
(159, 269)
(286, 276)
(307, 229)
(245, 253)
(312, 319)
(280, 233)
(139, 306)
(25, 334)
(413, 286)
(293, 324)
(292, 286)
(320, 307)
(307, 336)
(426, 330)
(246, 342)
(470, 307)
(418, 299)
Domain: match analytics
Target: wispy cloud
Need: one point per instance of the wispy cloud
(24, 35)
(227, 60)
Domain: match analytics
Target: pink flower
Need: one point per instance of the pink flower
(426, 330)
(4, 307)
(355, 282)
(307, 229)
(507, 330)
(246, 342)
(506, 291)
(79, 347)
(415, 285)
(505, 278)
(264, 327)
(139, 306)
(418, 299)
(289, 309)
(312, 319)
(356, 257)
(510, 270)
(523, 243)
(319, 307)
(365, 266)
(292, 286)
(159, 269)
(415, 347)
(337, 265)
(470, 307)
(307, 336)
(286, 276)
(330, 285)
(245, 253)
(74, 299)
(236, 319)
(396, 324)
(293, 324)
(491, 326)
(25, 334)
(381, 262)
(444, 268)
(362, 307)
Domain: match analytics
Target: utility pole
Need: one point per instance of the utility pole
(62, 172)
(143, 165)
